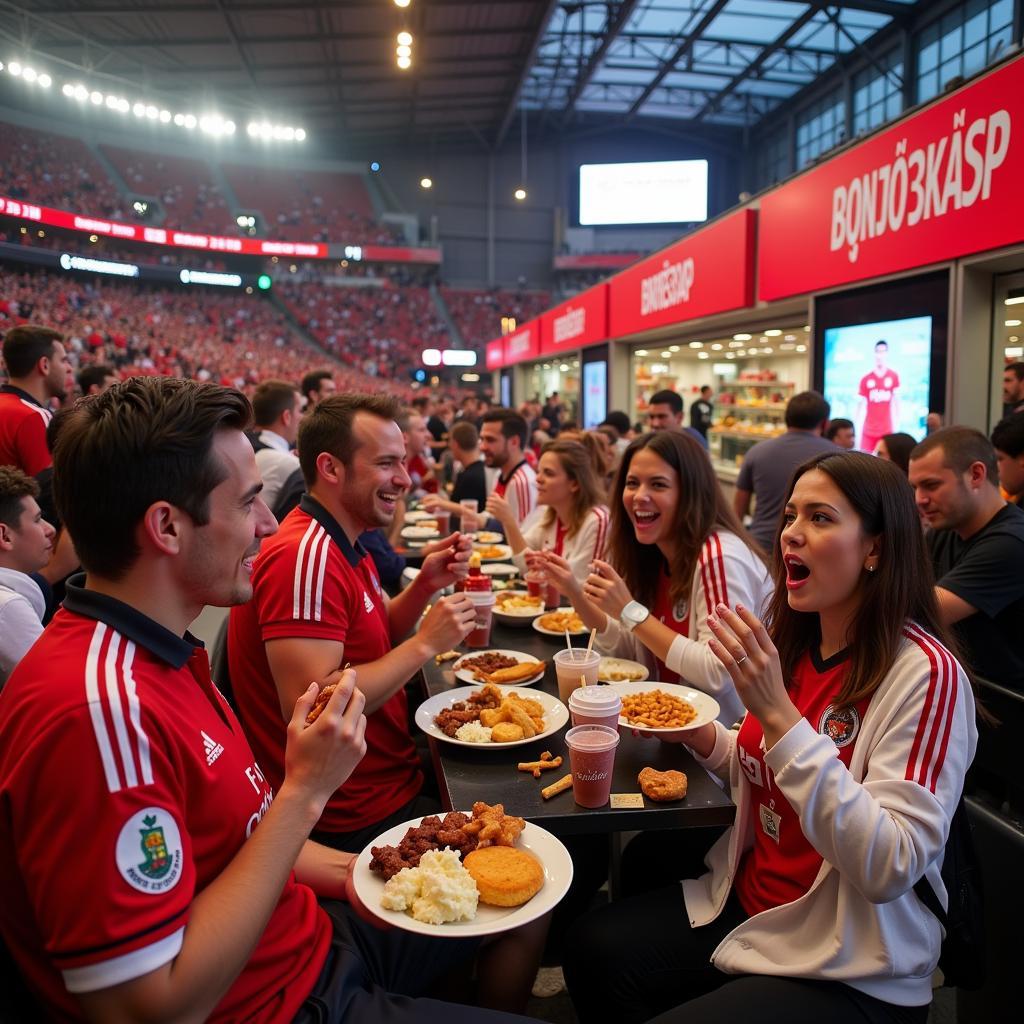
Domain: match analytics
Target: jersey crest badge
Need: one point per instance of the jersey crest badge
(376, 584)
(680, 608)
(153, 834)
(840, 726)
(367, 603)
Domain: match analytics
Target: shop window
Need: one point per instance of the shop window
(877, 93)
(820, 127)
(773, 159)
(962, 42)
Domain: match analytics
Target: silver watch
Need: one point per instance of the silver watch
(632, 615)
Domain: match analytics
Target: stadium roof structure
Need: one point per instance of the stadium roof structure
(476, 64)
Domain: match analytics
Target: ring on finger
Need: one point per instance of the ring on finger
(739, 661)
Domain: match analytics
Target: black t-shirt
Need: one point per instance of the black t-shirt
(987, 571)
(471, 483)
(700, 416)
(438, 431)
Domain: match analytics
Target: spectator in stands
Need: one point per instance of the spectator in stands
(768, 467)
(842, 432)
(976, 543)
(352, 455)
(95, 379)
(26, 540)
(277, 411)
(896, 448)
(470, 478)
(316, 386)
(503, 441)
(701, 412)
(165, 787)
(1013, 387)
(469, 410)
(37, 370)
(1008, 441)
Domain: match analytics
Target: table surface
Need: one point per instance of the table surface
(466, 775)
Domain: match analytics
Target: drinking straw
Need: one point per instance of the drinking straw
(590, 642)
(568, 642)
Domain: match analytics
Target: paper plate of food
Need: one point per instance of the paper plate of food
(488, 537)
(557, 622)
(499, 569)
(664, 709)
(412, 518)
(419, 533)
(489, 716)
(517, 607)
(493, 552)
(503, 668)
(463, 874)
(621, 670)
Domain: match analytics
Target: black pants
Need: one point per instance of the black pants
(380, 976)
(638, 959)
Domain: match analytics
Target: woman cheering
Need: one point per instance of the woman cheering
(845, 772)
(676, 550)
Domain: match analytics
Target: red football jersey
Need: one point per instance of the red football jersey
(309, 581)
(877, 389)
(23, 423)
(126, 787)
(676, 616)
(519, 489)
(782, 865)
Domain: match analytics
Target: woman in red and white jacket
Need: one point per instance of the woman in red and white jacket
(575, 525)
(676, 550)
(845, 772)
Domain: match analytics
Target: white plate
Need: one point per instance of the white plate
(706, 707)
(506, 552)
(412, 518)
(557, 632)
(409, 573)
(609, 665)
(553, 856)
(419, 533)
(499, 569)
(556, 716)
(517, 616)
(466, 674)
(489, 537)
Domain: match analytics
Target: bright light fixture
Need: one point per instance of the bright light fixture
(716, 347)
(426, 183)
(641, 352)
(404, 63)
(139, 109)
(741, 337)
(703, 355)
(403, 51)
(696, 344)
(401, 3)
(520, 194)
(29, 74)
(773, 333)
(96, 97)
(1016, 301)
(404, 39)
(45, 81)
(801, 348)
(165, 116)
(673, 348)
(666, 354)
(15, 68)
(1013, 323)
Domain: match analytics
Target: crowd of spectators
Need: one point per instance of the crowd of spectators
(478, 314)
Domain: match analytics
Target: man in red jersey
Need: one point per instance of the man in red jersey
(318, 604)
(150, 871)
(38, 369)
(878, 405)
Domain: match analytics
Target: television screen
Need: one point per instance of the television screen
(659, 192)
(878, 375)
(595, 393)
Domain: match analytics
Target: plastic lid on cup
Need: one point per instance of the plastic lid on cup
(595, 700)
(481, 598)
(592, 738)
(576, 656)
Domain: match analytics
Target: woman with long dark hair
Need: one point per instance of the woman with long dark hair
(845, 772)
(896, 448)
(676, 549)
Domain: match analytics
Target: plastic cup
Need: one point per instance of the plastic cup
(483, 603)
(536, 582)
(470, 507)
(592, 760)
(595, 705)
(444, 522)
(572, 663)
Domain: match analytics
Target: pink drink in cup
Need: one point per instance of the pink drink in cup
(595, 705)
(483, 602)
(444, 522)
(574, 667)
(536, 581)
(592, 760)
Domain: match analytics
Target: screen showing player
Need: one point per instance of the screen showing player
(878, 376)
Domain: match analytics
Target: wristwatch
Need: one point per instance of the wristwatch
(632, 615)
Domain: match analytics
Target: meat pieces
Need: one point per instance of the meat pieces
(432, 833)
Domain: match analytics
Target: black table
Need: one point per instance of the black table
(466, 775)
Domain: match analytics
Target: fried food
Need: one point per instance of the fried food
(532, 707)
(505, 877)
(559, 622)
(506, 732)
(490, 551)
(489, 697)
(489, 661)
(514, 674)
(492, 826)
(432, 833)
(440, 659)
(663, 787)
(518, 716)
(449, 720)
(320, 703)
(518, 603)
(564, 783)
(612, 670)
(656, 709)
(542, 765)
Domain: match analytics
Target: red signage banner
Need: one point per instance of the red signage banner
(210, 243)
(581, 321)
(523, 343)
(710, 271)
(941, 184)
(494, 354)
(596, 260)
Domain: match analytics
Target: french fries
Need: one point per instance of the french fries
(543, 765)
(564, 783)
(656, 709)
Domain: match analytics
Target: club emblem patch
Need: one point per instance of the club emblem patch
(680, 608)
(367, 603)
(840, 726)
(149, 851)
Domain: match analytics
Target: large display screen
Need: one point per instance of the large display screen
(653, 192)
(595, 393)
(878, 375)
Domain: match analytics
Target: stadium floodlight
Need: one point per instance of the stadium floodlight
(520, 194)
(165, 116)
(68, 89)
(179, 120)
(252, 128)
(431, 357)
(404, 39)
(81, 93)
(404, 63)
(403, 51)
(426, 183)
(14, 68)
(152, 113)
(45, 80)
(190, 121)
(401, 3)
(29, 74)
(300, 134)
(229, 127)
(139, 109)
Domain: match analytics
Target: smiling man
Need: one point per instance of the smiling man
(318, 604)
(977, 548)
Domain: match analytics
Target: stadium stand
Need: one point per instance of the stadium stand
(478, 314)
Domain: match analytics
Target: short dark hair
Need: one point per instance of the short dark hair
(311, 382)
(25, 345)
(465, 435)
(672, 399)
(619, 420)
(58, 421)
(961, 448)
(271, 399)
(14, 485)
(512, 424)
(1017, 369)
(806, 410)
(881, 341)
(705, 387)
(420, 403)
(328, 427)
(90, 375)
(834, 426)
(1008, 435)
(143, 440)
